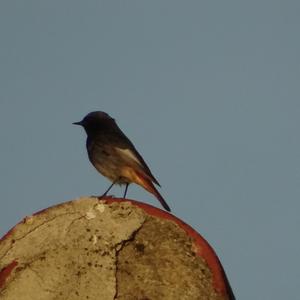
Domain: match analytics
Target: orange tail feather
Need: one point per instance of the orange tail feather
(148, 185)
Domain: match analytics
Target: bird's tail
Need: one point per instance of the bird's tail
(160, 198)
(147, 184)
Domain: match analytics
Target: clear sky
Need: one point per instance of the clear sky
(208, 91)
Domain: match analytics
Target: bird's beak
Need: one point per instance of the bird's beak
(78, 123)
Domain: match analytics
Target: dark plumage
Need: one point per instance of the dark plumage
(114, 156)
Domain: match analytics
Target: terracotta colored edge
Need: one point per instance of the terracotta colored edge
(5, 272)
(220, 280)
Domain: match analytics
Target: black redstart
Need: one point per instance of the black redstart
(114, 156)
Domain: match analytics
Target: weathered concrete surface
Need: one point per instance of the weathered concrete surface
(88, 249)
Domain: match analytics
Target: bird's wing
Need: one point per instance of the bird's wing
(134, 158)
(124, 147)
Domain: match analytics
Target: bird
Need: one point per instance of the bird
(114, 156)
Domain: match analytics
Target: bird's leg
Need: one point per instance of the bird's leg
(103, 195)
(125, 192)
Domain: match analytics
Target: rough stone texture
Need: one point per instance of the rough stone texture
(87, 249)
(160, 264)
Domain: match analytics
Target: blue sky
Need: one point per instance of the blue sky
(208, 91)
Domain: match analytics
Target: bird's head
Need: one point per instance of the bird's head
(95, 121)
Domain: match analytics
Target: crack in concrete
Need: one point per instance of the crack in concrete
(72, 222)
(33, 230)
(73, 217)
(118, 248)
(41, 280)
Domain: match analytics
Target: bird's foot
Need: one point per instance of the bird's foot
(104, 196)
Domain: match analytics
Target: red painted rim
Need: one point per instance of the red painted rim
(220, 281)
